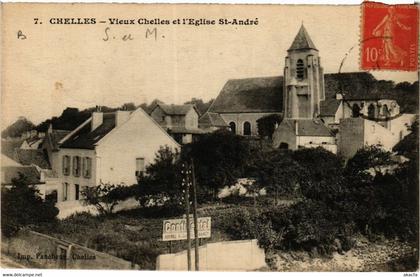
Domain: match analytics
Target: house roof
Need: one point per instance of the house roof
(176, 109)
(211, 120)
(10, 172)
(250, 95)
(308, 127)
(32, 157)
(85, 138)
(183, 130)
(6, 161)
(302, 41)
(55, 136)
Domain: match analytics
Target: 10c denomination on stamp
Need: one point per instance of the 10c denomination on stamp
(389, 37)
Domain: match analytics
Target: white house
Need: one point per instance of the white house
(108, 148)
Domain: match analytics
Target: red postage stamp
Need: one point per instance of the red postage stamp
(389, 37)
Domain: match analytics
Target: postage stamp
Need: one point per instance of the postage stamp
(389, 37)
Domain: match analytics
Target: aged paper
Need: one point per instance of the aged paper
(284, 131)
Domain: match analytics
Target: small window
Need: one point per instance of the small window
(247, 128)
(140, 168)
(300, 70)
(76, 166)
(66, 165)
(76, 192)
(65, 191)
(371, 111)
(87, 167)
(232, 126)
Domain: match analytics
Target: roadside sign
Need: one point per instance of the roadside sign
(176, 229)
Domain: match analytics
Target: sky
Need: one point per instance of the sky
(59, 66)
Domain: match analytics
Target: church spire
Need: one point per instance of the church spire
(302, 41)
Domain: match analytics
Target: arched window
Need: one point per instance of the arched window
(247, 128)
(371, 111)
(232, 126)
(355, 110)
(284, 145)
(300, 70)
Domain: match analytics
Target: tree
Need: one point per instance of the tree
(267, 124)
(323, 177)
(106, 196)
(409, 145)
(220, 158)
(201, 106)
(277, 171)
(162, 182)
(17, 128)
(22, 205)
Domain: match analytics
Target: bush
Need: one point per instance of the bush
(21, 206)
(106, 196)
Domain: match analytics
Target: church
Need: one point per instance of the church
(340, 112)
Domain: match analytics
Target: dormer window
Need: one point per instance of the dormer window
(300, 70)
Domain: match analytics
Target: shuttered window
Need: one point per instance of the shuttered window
(87, 167)
(66, 165)
(76, 166)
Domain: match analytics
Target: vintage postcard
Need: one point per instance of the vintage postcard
(210, 137)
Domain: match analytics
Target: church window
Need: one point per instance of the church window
(232, 126)
(300, 70)
(247, 128)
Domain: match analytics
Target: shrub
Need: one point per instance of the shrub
(106, 196)
(21, 205)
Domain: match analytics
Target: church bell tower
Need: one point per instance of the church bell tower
(303, 79)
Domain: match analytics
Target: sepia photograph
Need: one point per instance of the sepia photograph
(210, 137)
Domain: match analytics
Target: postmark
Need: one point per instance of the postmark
(389, 37)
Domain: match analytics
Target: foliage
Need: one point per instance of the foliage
(383, 203)
(267, 124)
(322, 177)
(277, 171)
(201, 106)
(162, 182)
(21, 205)
(17, 128)
(106, 196)
(409, 145)
(220, 158)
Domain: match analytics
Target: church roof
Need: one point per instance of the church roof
(250, 95)
(302, 41)
(265, 94)
(85, 138)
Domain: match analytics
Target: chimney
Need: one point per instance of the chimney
(97, 118)
(121, 117)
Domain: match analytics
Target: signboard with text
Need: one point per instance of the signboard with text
(176, 229)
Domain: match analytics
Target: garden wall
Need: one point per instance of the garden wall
(240, 255)
(41, 251)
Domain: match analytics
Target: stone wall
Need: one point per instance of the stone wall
(37, 250)
(241, 255)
